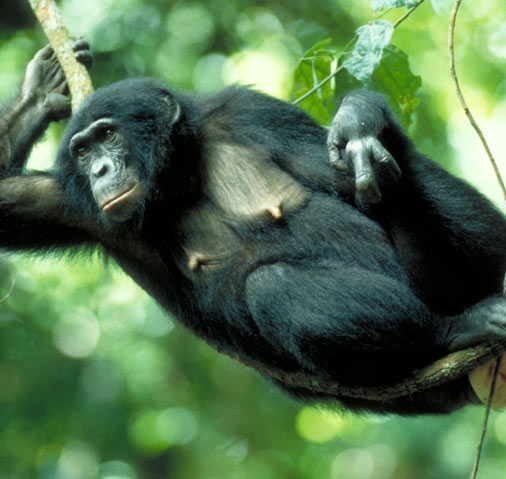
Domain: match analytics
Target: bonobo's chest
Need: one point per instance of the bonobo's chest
(248, 186)
(245, 195)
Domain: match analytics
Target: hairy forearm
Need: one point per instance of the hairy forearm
(35, 194)
(34, 215)
(21, 123)
(8, 118)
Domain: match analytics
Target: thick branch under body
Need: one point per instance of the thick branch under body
(441, 371)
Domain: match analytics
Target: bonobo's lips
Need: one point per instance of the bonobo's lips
(111, 203)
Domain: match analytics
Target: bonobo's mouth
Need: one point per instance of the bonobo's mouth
(111, 203)
(122, 206)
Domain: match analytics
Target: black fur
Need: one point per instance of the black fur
(362, 295)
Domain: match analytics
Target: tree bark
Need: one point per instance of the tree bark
(78, 80)
(441, 371)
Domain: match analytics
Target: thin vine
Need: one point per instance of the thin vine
(474, 124)
(485, 420)
(453, 73)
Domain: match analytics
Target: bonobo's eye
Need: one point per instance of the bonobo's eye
(82, 152)
(108, 134)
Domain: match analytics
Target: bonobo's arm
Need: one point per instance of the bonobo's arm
(362, 119)
(42, 98)
(33, 210)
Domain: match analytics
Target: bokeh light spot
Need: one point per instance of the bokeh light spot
(77, 334)
(318, 426)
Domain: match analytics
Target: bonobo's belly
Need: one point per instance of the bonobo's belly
(215, 247)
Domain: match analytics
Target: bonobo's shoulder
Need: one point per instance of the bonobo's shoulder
(245, 103)
(239, 93)
(242, 97)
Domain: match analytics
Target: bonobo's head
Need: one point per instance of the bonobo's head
(114, 146)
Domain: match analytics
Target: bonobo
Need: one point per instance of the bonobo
(226, 209)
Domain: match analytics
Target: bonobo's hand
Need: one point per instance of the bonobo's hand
(44, 85)
(368, 159)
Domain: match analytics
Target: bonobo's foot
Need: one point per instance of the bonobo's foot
(82, 52)
(481, 381)
(369, 161)
(44, 87)
(485, 321)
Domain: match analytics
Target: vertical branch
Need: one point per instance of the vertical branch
(453, 73)
(78, 80)
(485, 419)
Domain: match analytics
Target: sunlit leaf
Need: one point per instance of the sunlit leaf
(372, 40)
(316, 65)
(377, 5)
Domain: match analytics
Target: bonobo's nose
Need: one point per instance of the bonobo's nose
(102, 166)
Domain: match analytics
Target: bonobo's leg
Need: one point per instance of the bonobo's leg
(358, 327)
(43, 97)
(450, 239)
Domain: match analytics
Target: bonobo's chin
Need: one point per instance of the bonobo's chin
(121, 213)
(133, 223)
(123, 205)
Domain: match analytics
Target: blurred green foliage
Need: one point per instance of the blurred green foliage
(97, 383)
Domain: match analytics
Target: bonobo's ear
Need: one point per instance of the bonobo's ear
(174, 109)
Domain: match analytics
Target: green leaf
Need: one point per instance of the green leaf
(372, 39)
(394, 78)
(377, 5)
(388, 73)
(321, 110)
(315, 66)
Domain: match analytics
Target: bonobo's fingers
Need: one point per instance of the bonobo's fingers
(334, 144)
(358, 152)
(80, 44)
(374, 167)
(481, 380)
(385, 160)
(82, 52)
(45, 53)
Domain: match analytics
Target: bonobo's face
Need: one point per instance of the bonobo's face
(100, 151)
(116, 149)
